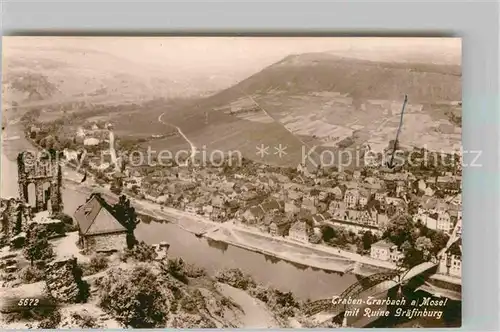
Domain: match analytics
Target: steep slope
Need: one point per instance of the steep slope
(322, 100)
(361, 79)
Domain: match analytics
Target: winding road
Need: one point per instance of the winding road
(112, 150)
(193, 147)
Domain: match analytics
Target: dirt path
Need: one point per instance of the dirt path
(256, 313)
(191, 144)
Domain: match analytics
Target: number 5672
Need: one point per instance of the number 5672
(28, 302)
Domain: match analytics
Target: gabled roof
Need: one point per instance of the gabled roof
(364, 192)
(455, 248)
(271, 205)
(94, 217)
(256, 211)
(383, 244)
(352, 191)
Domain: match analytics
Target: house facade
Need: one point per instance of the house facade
(364, 195)
(444, 222)
(98, 228)
(351, 198)
(385, 251)
(450, 263)
(299, 231)
(279, 228)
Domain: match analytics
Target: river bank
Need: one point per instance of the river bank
(297, 253)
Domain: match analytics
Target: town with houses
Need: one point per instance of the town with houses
(298, 204)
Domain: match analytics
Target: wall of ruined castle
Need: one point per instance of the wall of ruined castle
(63, 279)
(10, 211)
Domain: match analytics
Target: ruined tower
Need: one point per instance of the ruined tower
(44, 170)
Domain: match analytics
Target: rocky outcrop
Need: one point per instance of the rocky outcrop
(64, 282)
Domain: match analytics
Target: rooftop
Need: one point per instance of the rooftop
(383, 244)
(95, 217)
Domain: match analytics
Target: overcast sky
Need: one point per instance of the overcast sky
(250, 52)
(236, 58)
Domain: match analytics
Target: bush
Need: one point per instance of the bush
(141, 252)
(134, 297)
(52, 321)
(97, 264)
(84, 320)
(282, 303)
(188, 304)
(261, 293)
(63, 217)
(70, 228)
(236, 278)
(18, 241)
(56, 228)
(193, 271)
(176, 268)
(31, 274)
(67, 222)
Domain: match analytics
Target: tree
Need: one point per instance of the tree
(134, 297)
(400, 231)
(425, 246)
(59, 200)
(126, 214)
(412, 257)
(116, 186)
(327, 232)
(367, 240)
(439, 239)
(413, 207)
(19, 221)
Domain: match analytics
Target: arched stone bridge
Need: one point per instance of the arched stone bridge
(323, 310)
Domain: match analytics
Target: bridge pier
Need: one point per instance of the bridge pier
(344, 321)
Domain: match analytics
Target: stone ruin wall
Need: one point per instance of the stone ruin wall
(12, 212)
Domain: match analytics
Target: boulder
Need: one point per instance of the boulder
(64, 282)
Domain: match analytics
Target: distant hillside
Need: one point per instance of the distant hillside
(322, 100)
(359, 79)
(33, 73)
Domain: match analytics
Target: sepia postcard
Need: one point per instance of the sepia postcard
(231, 182)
